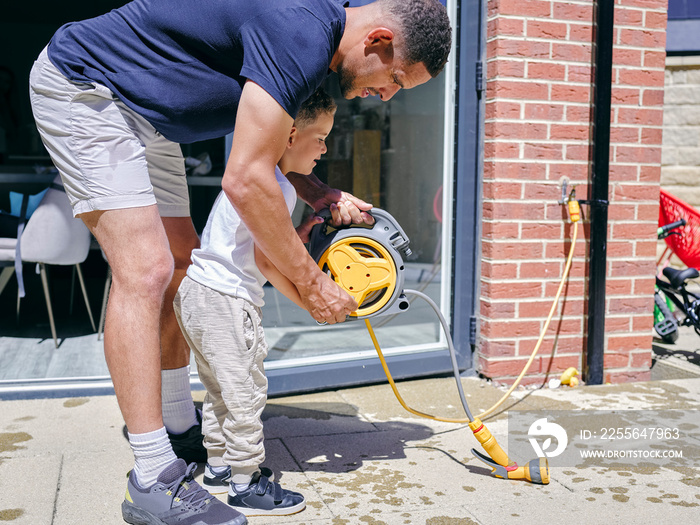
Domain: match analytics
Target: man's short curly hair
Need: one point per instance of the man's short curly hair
(426, 29)
(317, 104)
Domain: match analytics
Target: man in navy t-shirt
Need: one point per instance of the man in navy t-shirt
(114, 96)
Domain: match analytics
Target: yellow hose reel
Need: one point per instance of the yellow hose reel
(366, 262)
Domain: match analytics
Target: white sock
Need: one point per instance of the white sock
(153, 453)
(179, 414)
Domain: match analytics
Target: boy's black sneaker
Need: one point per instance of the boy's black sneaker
(265, 498)
(189, 445)
(175, 498)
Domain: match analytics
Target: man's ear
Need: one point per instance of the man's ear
(379, 35)
(292, 137)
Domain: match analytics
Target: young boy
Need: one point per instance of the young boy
(218, 308)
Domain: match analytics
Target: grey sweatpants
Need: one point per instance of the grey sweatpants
(226, 336)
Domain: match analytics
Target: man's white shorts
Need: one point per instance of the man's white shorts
(109, 157)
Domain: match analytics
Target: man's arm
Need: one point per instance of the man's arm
(345, 208)
(261, 133)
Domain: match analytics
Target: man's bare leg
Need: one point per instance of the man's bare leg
(136, 247)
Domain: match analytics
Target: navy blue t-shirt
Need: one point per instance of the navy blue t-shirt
(182, 64)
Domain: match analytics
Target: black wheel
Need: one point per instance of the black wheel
(667, 328)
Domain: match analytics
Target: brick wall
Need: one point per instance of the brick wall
(537, 130)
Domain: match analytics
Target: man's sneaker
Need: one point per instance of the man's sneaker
(218, 483)
(265, 498)
(175, 498)
(189, 445)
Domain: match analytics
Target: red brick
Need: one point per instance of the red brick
(543, 151)
(505, 68)
(621, 212)
(620, 249)
(546, 70)
(629, 305)
(628, 17)
(501, 149)
(642, 322)
(519, 48)
(635, 192)
(640, 116)
(644, 286)
(544, 111)
(568, 132)
(652, 136)
(576, 113)
(520, 90)
(627, 57)
(503, 368)
(546, 29)
(539, 270)
(528, 8)
(616, 286)
(617, 324)
(577, 12)
(509, 328)
(578, 73)
(500, 270)
(511, 290)
(647, 212)
(489, 348)
(580, 33)
(518, 130)
(641, 77)
(625, 95)
(654, 59)
(502, 109)
(502, 190)
(645, 249)
(612, 360)
(579, 52)
(558, 364)
(577, 173)
(540, 230)
(642, 38)
(513, 251)
(651, 174)
(539, 191)
(500, 230)
(640, 359)
(624, 135)
(642, 154)
(506, 26)
(628, 342)
(623, 172)
(655, 20)
(576, 152)
(520, 170)
(570, 93)
(516, 210)
(629, 268)
(653, 97)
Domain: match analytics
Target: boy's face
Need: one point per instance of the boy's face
(307, 144)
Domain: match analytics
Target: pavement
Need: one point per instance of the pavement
(360, 458)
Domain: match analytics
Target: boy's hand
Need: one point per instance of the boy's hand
(304, 229)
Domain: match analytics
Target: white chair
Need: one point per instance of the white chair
(51, 236)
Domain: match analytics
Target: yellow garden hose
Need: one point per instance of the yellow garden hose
(574, 213)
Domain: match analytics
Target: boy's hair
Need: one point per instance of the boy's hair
(318, 103)
(425, 28)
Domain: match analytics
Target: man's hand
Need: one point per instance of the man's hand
(327, 302)
(345, 207)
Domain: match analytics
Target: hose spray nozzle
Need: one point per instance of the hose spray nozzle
(535, 471)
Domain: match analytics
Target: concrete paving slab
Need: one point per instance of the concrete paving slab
(27, 499)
